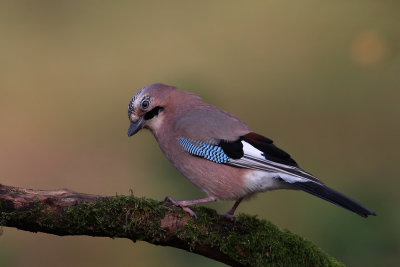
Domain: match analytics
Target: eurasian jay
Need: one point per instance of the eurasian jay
(219, 153)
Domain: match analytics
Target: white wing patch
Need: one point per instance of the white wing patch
(252, 151)
(255, 159)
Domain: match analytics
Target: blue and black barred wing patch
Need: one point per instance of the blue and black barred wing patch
(202, 149)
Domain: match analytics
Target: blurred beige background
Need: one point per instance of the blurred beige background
(321, 78)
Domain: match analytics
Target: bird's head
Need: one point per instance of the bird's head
(147, 107)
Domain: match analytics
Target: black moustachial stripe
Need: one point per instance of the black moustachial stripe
(154, 112)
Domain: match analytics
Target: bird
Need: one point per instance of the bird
(219, 153)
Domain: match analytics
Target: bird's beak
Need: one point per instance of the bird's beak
(135, 126)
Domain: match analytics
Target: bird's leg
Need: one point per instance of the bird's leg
(186, 203)
(229, 213)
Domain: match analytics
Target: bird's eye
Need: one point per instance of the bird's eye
(145, 104)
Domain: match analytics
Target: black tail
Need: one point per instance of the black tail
(334, 197)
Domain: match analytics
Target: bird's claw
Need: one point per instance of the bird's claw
(228, 216)
(179, 204)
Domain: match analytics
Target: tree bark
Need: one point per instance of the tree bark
(247, 242)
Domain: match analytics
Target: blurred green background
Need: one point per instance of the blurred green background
(321, 78)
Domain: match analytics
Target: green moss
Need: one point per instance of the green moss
(118, 216)
(250, 241)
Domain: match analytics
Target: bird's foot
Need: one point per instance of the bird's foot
(182, 205)
(228, 216)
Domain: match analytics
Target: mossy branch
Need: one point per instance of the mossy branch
(248, 242)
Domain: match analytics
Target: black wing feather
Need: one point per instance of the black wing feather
(234, 149)
(270, 151)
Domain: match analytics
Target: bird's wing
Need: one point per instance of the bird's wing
(256, 152)
(251, 151)
(260, 153)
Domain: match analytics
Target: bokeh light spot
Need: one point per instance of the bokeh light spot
(368, 49)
